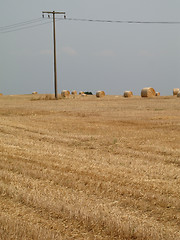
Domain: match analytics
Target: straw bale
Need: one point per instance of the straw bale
(100, 94)
(148, 92)
(1, 94)
(128, 94)
(81, 92)
(178, 95)
(175, 91)
(65, 93)
(74, 92)
(157, 93)
(34, 92)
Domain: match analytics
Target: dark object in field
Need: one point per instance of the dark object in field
(88, 93)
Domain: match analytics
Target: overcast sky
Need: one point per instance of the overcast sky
(91, 56)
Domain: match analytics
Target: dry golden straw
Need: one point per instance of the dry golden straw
(175, 91)
(72, 172)
(128, 94)
(100, 94)
(148, 92)
(157, 93)
(65, 93)
(34, 92)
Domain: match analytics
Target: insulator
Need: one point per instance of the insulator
(64, 16)
(48, 16)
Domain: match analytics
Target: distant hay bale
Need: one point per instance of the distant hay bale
(81, 92)
(65, 93)
(148, 92)
(175, 91)
(74, 92)
(178, 95)
(34, 92)
(1, 94)
(128, 94)
(157, 93)
(100, 94)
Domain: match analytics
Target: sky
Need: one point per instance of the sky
(91, 56)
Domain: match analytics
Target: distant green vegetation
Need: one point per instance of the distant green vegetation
(88, 93)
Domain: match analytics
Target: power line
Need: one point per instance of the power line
(119, 21)
(24, 25)
(22, 28)
(21, 23)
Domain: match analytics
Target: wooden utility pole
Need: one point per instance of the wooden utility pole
(54, 38)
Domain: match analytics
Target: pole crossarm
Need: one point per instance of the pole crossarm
(53, 12)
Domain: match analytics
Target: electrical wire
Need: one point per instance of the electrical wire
(18, 28)
(31, 23)
(120, 21)
(21, 23)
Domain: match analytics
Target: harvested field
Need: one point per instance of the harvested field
(90, 168)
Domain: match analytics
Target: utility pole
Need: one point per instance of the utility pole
(54, 38)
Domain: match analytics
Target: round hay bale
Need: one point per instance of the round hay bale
(65, 93)
(157, 93)
(81, 92)
(74, 92)
(34, 92)
(128, 94)
(148, 92)
(1, 94)
(175, 91)
(178, 95)
(100, 94)
(83, 95)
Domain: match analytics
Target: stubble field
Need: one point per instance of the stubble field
(89, 168)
